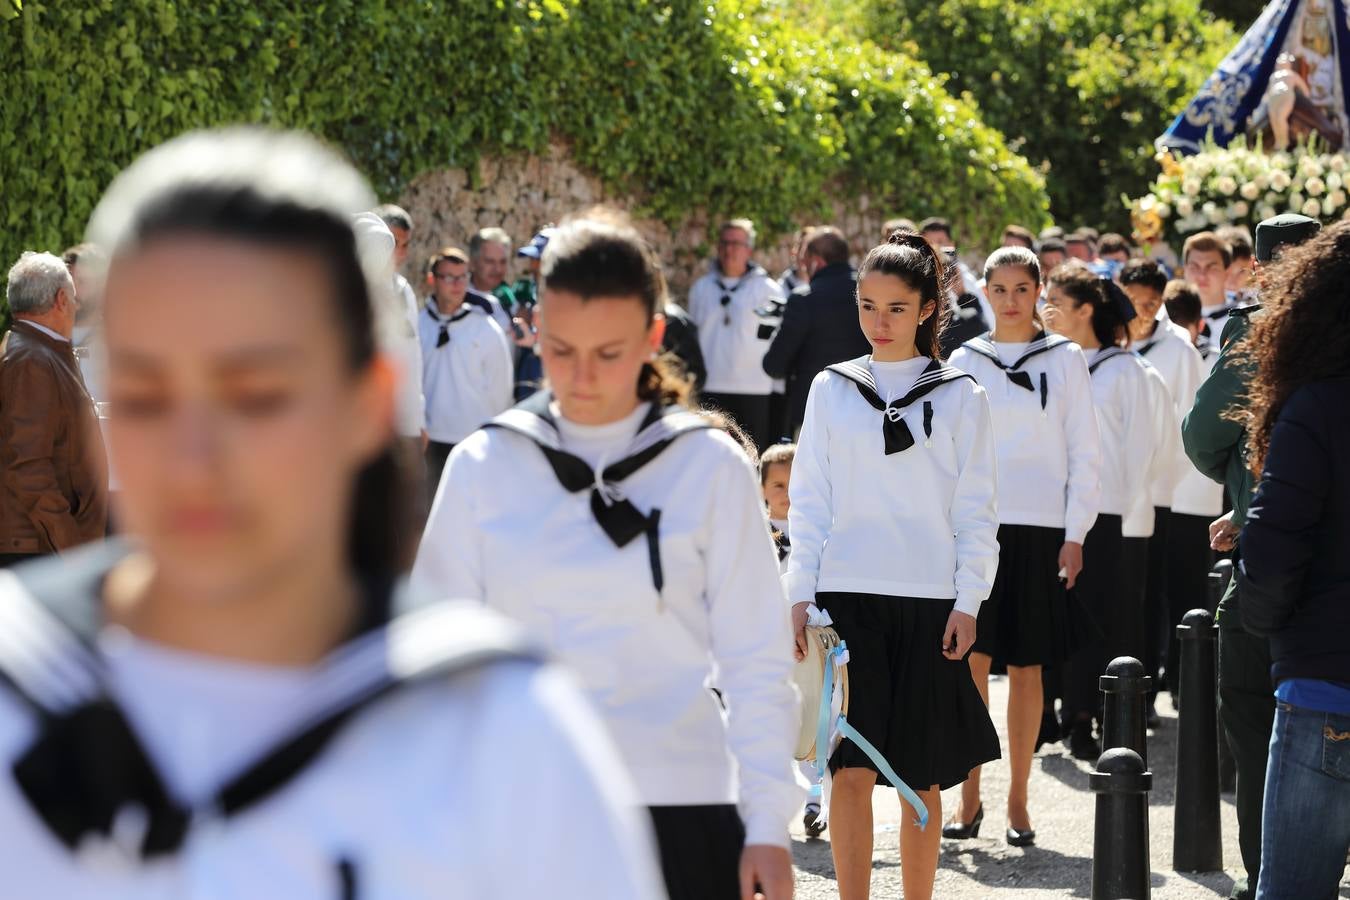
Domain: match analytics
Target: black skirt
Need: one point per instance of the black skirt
(700, 849)
(918, 708)
(1029, 619)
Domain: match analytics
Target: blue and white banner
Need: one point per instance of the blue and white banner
(1316, 32)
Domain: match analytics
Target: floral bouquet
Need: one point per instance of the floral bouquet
(1238, 185)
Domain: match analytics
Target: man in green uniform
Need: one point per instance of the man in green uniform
(1216, 446)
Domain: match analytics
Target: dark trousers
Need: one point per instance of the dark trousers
(13, 559)
(1097, 591)
(1155, 606)
(750, 411)
(1132, 616)
(1189, 560)
(437, 454)
(700, 849)
(1247, 712)
(778, 423)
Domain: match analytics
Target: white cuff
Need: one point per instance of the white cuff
(762, 830)
(968, 604)
(800, 587)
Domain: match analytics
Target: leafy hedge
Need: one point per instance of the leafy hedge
(1081, 87)
(731, 107)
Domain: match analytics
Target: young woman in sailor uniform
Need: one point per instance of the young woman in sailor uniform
(1045, 432)
(893, 536)
(647, 567)
(1093, 312)
(238, 707)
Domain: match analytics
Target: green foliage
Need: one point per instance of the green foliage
(1081, 87)
(731, 108)
(1241, 13)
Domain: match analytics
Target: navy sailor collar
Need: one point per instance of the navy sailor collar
(1102, 355)
(897, 435)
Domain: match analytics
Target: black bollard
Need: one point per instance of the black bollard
(1126, 688)
(1197, 843)
(1120, 863)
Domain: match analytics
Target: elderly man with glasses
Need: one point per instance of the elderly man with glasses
(737, 307)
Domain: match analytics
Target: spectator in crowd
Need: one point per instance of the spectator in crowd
(377, 243)
(1053, 232)
(1052, 254)
(796, 274)
(468, 376)
(1079, 245)
(1114, 248)
(729, 305)
(681, 342)
(529, 368)
(970, 314)
(820, 323)
(1182, 302)
(526, 287)
(1205, 260)
(489, 260)
(1214, 439)
(52, 466)
(1239, 282)
(86, 263)
(1294, 574)
(937, 231)
(1017, 236)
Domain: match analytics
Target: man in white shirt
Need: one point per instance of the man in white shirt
(403, 343)
(467, 374)
(1205, 259)
(734, 306)
(489, 259)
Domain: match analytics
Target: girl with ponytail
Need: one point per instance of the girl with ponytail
(1046, 438)
(1094, 313)
(626, 531)
(893, 540)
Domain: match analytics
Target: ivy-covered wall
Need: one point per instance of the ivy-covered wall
(729, 108)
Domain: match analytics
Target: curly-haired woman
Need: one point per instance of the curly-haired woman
(1295, 570)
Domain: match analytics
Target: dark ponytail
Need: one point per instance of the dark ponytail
(279, 190)
(599, 255)
(909, 257)
(1111, 308)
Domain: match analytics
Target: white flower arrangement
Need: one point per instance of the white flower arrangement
(1241, 186)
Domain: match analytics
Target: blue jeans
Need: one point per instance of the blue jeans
(1306, 818)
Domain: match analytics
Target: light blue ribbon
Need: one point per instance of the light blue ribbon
(848, 731)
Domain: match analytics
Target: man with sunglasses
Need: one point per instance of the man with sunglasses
(736, 307)
(467, 372)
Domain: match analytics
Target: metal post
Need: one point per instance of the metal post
(1120, 861)
(1126, 688)
(1197, 844)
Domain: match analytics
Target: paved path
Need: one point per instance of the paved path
(1060, 865)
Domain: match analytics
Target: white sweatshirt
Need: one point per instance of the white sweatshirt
(455, 789)
(1127, 424)
(504, 530)
(468, 380)
(1196, 494)
(1169, 350)
(1048, 458)
(1140, 521)
(917, 523)
(735, 337)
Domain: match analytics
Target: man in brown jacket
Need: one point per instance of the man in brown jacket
(53, 472)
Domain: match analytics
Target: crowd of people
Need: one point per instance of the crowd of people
(1027, 470)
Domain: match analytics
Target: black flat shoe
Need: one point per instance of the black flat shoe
(1019, 838)
(958, 832)
(811, 821)
(1082, 745)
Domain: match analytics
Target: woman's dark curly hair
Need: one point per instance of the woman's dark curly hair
(1302, 334)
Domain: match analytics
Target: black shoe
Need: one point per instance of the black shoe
(1082, 744)
(1151, 718)
(1019, 838)
(811, 821)
(958, 832)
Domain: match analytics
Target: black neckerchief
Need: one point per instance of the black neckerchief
(1040, 343)
(729, 292)
(617, 516)
(86, 773)
(1103, 354)
(446, 321)
(1154, 337)
(893, 428)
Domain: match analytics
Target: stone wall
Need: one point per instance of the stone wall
(521, 193)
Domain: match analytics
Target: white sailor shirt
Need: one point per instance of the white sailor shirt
(914, 522)
(1127, 424)
(468, 378)
(1045, 431)
(735, 335)
(1170, 351)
